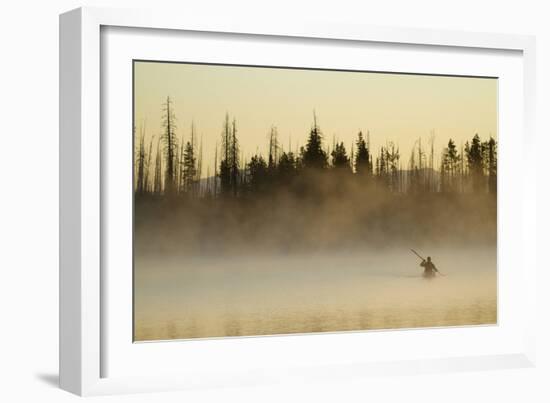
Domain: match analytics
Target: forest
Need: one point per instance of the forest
(322, 194)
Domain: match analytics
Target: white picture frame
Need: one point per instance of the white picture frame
(85, 346)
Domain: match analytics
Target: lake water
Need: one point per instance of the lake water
(183, 297)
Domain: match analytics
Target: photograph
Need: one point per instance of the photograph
(277, 200)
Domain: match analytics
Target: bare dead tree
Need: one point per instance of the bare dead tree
(234, 159)
(147, 178)
(198, 174)
(273, 147)
(140, 163)
(157, 183)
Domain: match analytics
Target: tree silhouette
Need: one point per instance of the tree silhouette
(340, 159)
(363, 163)
(450, 167)
(314, 157)
(234, 160)
(147, 186)
(141, 162)
(257, 174)
(189, 167)
(474, 153)
(490, 156)
(157, 181)
(273, 147)
(225, 163)
(170, 145)
(391, 161)
(286, 169)
(169, 170)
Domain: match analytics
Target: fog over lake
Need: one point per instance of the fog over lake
(198, 297)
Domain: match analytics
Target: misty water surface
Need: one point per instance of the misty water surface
(184, 297)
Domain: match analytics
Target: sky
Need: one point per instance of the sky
(398, 108)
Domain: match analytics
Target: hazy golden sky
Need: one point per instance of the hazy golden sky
(392, 107)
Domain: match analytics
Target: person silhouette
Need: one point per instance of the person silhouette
(429, 268)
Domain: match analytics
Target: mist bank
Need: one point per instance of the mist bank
(314, 292)
(335, 214)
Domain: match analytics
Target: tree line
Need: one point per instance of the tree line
(170, 166)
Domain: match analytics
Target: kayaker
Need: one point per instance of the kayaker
(429, 268)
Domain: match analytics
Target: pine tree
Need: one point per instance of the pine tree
(450, 167)
(474, 153)
(363, 163)
(225, 164)
(286, 168)
(313, 155)
(257, 173)
(170, 145)
(491, 163)
(340, 159)
(189, 168)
